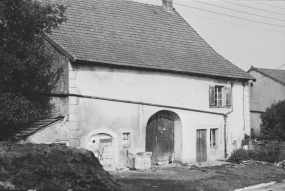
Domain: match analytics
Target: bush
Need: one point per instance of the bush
(239, 155)
(268, 153)
(273, 122)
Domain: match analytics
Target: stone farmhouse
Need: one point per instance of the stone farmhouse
(138, 78)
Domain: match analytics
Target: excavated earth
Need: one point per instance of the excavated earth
(51, 167)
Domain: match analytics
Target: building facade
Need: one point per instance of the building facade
(140, 79)
(269, 88)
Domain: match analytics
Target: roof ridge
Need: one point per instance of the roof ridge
(141, 3)
(266, 68)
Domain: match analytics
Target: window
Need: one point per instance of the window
(220, 96)
(126, 139)
(213, 137)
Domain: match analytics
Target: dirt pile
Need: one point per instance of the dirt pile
(52, 167)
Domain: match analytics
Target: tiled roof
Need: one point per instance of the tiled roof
(127, 33)
(277, 75)
(34, 126)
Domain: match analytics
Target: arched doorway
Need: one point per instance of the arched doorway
(103, 148)
(163, 128)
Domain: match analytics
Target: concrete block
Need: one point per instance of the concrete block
(73, 125)
(72, 109)
(72, 74)
(72, 100)
(73, 90)
(72, 83)
(71, 67)
(73, 134)
(73, 142)
(143, 161)
(73, 117)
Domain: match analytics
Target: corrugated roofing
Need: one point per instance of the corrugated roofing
(127, 33)
(33, 126)
(277, 75)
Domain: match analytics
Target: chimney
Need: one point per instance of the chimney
(167, 5)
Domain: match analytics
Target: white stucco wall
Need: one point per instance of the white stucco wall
(157, 88)
(263, 93)
(92, 116)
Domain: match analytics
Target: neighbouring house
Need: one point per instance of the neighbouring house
(138, 78)
(268, 88)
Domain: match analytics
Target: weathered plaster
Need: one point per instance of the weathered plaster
(263, 93)
(89, 116)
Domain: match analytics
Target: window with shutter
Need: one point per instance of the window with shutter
(220, 96)
(212, 95)
(228, 96)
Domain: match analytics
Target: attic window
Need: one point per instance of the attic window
(220, 96)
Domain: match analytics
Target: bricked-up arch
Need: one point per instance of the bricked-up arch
(164, 137)
(107, 140)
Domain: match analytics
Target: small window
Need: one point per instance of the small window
(220, 96)
(126, 139)
(213, 137)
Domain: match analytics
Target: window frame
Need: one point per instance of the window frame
(220, 96)
(214, 141)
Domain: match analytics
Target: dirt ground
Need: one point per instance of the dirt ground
(215, 178)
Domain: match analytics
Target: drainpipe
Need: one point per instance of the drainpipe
(225, 122)
(243, 86)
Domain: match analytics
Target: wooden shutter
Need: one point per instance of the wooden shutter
(212, 95)
(228, 96)
(224, 96)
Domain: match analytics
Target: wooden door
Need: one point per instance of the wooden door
(201, 146)
(160, 137)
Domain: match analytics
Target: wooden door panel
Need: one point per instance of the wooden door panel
(201, 146)
(160, 137)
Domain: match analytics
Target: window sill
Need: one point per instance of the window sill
(214, 107)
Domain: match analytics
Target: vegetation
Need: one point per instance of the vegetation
(25, 60)
(272, 152)
(273, 122)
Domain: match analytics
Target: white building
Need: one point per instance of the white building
(139, 78)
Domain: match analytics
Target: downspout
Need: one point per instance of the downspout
(225, 122)
(243, 85)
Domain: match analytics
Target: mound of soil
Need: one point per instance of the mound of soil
(52, 167)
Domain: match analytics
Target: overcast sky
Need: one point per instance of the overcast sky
(255, 44)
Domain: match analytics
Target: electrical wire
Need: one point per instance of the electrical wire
(271, 72)
(230, 15)
(232, 22)
(253, 7)
(238, 11)
(268, 5)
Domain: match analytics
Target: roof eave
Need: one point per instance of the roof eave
(58, 47)
(169, 70)
(268, 76)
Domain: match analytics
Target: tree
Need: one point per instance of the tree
(26, 60)
(273, 121)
